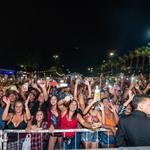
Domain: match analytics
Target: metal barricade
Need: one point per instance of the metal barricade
(4, 137)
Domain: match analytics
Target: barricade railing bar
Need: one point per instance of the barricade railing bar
(4, 138)
(55, 131)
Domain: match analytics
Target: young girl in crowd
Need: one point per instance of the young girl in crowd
(38, 140)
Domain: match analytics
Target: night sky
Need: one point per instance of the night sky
(82, 34)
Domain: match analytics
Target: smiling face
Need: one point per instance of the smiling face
(31, 97)
(73, 106)
(39, 116)
(106, 103)
(18, 107)
(102, 95)
(12, 97)
(41, 98)
(53, 100)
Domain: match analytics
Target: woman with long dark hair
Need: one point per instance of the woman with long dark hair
(41, 103)
(38, 139)
(54, 121)
(69, 120)
(91, 115)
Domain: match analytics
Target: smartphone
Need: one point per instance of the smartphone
(53, 83)
(25, 87)
(133, 79)
(47, 78)
(63, 85)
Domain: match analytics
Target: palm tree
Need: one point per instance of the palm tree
(121, 61)
(103, 67)
(125, 60)
(137, 54)
(116, 63)
(55, 70)
(143, 54)
(110, 64)
(147, 52)
(131, 56)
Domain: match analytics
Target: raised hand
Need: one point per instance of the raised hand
(131, 86)
(6, 100)
(77, 81)
(67, 99)
(101, 76)
(91, 81)
(136, 86)
(112, 108)
(131, 95)
(27, 101)
(34, 85)
(41, 83)
(86, 82)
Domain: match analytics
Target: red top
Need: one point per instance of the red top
(50, 120)
(66, 124)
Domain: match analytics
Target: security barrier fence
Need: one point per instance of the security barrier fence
(18, 144)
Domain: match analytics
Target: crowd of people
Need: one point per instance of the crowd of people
(69, 102)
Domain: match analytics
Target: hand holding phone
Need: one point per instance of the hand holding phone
(25, 87)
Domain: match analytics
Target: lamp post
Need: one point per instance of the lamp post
(56, 56)
(90, 69)
(56, 59)
(111, 55)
